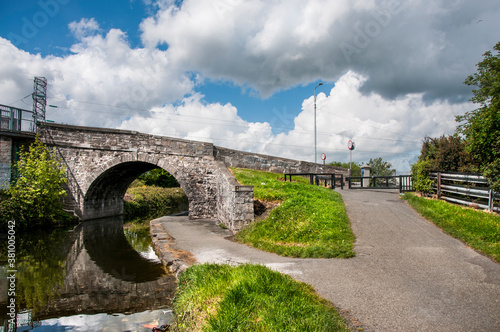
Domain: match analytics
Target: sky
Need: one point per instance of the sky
(243, 73)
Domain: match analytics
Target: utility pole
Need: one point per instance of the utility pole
(315, 153)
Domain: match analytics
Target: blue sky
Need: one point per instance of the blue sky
(54, 38)
(242, 73)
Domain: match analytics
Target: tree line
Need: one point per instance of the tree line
(475, 145)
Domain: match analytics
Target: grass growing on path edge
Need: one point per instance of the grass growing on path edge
(213, 297)
(311, 221)
(478, 229)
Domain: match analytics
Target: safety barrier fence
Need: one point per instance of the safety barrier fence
(14, 119)
(467, 189)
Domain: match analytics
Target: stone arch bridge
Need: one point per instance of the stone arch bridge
(101, 164)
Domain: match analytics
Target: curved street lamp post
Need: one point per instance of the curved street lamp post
(315, 153)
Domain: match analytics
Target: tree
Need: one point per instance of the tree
(380, 167)
(159, 177)
(35, 196)
(481, 127)
(445, 154)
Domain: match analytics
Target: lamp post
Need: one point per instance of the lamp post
(315, 153)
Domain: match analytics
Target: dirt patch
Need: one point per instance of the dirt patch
(258, 207)
(262, 208)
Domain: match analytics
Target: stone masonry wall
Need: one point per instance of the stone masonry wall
(235, 202)
(234, 158)
(5, 161)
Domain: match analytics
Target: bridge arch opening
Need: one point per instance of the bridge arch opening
(104, 197)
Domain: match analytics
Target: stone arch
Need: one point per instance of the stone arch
(108, 182)
(104, 197)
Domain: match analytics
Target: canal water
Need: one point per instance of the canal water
(100, 276)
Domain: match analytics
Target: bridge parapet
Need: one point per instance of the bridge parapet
(235, 158)
(121, 140)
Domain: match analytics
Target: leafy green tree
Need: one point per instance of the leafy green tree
(445, 154)
(159, 177)
(380, 167)
(35, 196)
(481, 127)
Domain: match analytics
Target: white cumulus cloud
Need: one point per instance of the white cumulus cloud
(398, 68)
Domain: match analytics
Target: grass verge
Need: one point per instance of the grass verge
(311, 221)
(153, 202)
(478, 229)
(214, 297)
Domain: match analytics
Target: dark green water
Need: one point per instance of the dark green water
(100, 276)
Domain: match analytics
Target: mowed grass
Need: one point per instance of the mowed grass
(311, 221)
(214, 297)
(478, 229)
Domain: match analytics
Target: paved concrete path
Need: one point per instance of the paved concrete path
(407, 274)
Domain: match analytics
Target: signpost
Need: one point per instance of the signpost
(323, 157)
(350, 146)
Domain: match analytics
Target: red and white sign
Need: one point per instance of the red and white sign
(350, 145)
(323, 156)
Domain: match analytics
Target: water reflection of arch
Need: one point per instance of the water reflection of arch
(108, 248)
(103, 273)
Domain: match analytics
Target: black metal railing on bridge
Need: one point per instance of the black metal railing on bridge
(403, 183)
(17, 120)
(333, 179)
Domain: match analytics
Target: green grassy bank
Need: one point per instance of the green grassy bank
(147, 202)
(214, 297)
(310, 222)
(478, 229)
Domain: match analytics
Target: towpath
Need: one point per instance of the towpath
(407, 274)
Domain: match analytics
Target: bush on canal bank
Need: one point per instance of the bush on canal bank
(213, 297)
(33, 199)
(153, 202)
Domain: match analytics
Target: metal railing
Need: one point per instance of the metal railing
(403, 183)
(467, 189)
(15, 119)
(316, 178)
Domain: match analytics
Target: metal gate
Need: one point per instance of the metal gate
(403, 183)
(333, 179)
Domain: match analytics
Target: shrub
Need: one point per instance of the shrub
(34, 198)
(421, 180)
(153, 202)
